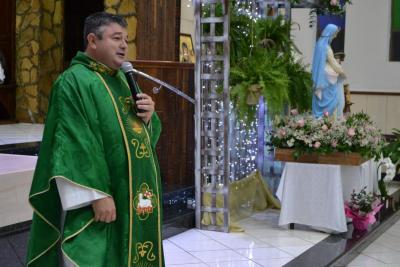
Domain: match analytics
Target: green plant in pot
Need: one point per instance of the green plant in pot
(262, 64)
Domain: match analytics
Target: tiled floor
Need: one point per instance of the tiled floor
(20, 133)
(261, 244)
(265, 244)
(384, 251)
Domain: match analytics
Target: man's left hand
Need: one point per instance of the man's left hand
(146, 104)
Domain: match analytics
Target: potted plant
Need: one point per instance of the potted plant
(362, 208)
(262, 64)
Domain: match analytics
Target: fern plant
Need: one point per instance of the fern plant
(262, 64)
(262, 74)
(300, 85)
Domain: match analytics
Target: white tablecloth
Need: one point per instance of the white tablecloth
(16, 172)
(314, 194)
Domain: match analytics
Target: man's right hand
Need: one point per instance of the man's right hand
(104, 210)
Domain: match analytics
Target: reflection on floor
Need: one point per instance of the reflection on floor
(265, 244)
(384, 251)
(261, 244)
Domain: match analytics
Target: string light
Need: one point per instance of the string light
(243, 138)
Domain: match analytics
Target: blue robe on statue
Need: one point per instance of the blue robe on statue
(325, 97)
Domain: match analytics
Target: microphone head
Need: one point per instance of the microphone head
(126, 67)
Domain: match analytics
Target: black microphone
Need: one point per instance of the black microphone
(129, 74)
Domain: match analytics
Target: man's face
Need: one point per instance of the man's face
(111, 50)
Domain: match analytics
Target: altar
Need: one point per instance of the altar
(314, 194)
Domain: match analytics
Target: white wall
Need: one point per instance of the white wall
(367, 47)
(188, 22)
(304, 38)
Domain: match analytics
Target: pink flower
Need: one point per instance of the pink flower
(294, 112)
(334, 2)
(301, 123)
(326, 114)
(324, 128)
(351, 132)
(334, 144)
(317, 144)
(281, 133)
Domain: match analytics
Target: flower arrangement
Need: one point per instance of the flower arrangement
(306, 134)
(362, 208)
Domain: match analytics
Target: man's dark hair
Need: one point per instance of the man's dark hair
(94, 24)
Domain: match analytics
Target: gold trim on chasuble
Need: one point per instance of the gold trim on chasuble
(137, 127)
(144, 250)
(129, 166)
(126, 103)
(55, 228)
(101, 68)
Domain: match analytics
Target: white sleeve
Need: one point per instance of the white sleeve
(74, 196)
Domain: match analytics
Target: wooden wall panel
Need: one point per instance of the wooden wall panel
(158, 29)
(175, 148)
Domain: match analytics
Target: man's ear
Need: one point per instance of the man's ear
(91, 40)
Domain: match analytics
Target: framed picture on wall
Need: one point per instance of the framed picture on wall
(186, 51)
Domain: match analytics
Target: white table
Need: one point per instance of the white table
(314, 194)
(16, 173)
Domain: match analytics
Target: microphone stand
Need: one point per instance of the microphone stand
(164, 84)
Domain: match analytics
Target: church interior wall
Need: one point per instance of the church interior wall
(188, 23)
(370, 73)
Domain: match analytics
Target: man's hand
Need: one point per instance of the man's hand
(104, 210)
(146, 104)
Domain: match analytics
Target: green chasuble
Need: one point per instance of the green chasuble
(94, 139)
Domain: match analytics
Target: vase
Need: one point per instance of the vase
(361, 223)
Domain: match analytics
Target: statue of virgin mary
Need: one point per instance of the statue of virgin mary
(327, 75)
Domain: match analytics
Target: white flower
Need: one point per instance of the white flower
(387, 167)
(290, 142)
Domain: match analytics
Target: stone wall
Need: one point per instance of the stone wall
(27, 58)
(39, 59)
(51, 51)
(39, 50)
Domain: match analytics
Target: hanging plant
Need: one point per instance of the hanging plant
(262, 64)
(300, 85)
(262, 74)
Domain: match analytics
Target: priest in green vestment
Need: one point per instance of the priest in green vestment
(96, 192)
